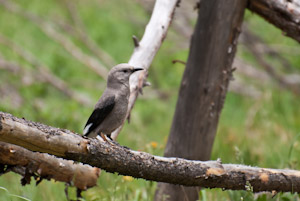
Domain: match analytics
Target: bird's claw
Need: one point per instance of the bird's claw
(105, 139)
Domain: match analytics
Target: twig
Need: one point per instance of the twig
(178, 61)
(98, 153)
(135, 41)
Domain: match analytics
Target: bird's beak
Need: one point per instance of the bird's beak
(137, 69)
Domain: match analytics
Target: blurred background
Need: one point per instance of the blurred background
(53, 59)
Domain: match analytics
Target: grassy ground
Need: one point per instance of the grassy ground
(260, 132)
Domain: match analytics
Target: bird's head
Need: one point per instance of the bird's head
(120, 74)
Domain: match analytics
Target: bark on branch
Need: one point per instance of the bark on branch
(284, 14)
(145, 51)
(44, 166)
(115, 158)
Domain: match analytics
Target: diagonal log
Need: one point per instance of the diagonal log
(284, 14)
(44, 166)
(115, 158)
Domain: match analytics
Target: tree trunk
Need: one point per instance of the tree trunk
(203, 88)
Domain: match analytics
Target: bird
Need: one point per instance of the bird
(111, 109)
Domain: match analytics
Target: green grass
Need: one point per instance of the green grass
(260, 132)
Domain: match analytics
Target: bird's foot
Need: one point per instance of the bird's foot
(105, 139)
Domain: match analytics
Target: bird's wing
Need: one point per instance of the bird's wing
(99, 114)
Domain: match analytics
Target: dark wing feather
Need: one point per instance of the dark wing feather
(99, 114)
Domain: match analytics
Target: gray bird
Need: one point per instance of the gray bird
(110, 111)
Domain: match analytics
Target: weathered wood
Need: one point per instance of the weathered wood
(284, 14)
(203, 87)
(38, 137)
(115, 158)
(44, 166)
(143, 54)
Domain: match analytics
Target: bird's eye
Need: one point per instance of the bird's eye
(125, 71)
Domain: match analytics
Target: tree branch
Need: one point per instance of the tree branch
(115, 158)
(284, 14)
(44, 166)
(144, 52)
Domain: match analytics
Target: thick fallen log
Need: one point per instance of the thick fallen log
(44, 166)
(284, 14)
(114, 158)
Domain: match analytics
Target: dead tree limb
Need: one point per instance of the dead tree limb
(144, 53)
(115, 158)
(44, 166)
(284, 14)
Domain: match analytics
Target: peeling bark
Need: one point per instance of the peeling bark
(44, 166)
(115, 158)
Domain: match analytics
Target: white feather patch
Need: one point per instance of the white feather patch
(86, 129)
